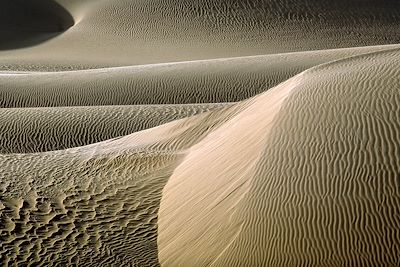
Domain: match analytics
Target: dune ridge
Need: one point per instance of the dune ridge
(200, 133)
(279, 212)
(147, 159)
(106, 193)
(169, 83)
(29, 130)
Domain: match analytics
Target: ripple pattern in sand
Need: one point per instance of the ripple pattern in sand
(325, 190)
(46, 129)
(58, 210)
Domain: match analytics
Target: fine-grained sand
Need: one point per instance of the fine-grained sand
(207, 81)
(27, 130)
(296, 187)
(199, 133)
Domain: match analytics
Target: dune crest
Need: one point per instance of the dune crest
(288, 202)
(199, 133)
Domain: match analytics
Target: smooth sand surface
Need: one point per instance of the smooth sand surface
(200, 133)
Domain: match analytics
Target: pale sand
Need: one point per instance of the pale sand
(275, 139)
(315, 181)
(239, 193)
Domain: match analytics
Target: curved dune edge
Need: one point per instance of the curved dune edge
(206, 81)
(99, 204)
(260, 192)
(45, 129)
(30, 130)
(46, 195)
(306, 173)
(95, 204)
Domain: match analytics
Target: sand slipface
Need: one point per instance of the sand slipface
(319, 186)
(199, 133)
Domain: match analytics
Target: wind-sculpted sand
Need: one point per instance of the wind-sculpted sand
(126, 32)
(206, 81)
(200, 133)
(28, 130)
(315, 182)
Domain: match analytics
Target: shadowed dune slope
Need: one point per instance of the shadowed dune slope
(126, 32)
(27, 130)
(315, 182)
(26, 23)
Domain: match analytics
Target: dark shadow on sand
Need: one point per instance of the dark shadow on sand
(25, 23)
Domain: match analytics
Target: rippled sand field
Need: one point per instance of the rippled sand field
(200, 133)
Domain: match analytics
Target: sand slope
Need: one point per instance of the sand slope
(126, 32)
(28, 130)
(199, 133)
(237, 192)
(96, 204)
(207, 81)
(314, 182)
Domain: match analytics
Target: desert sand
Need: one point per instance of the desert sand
(199, 133)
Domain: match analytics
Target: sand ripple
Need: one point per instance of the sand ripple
(199, 133)
(319, 187)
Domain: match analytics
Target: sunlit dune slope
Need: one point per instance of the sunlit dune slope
(96, 204)
(199, 133)
(293, 188)
(314, 181)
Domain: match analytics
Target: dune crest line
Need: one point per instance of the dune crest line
(199, 133)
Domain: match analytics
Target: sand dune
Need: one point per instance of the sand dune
(207, 81)
(296, 188)
(45, 129)
(94, 204)
(260, 198)
(199, 133)
(126, 32)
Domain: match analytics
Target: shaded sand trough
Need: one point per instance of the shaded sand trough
(232, 173)
(28, 130)
(26, 23)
